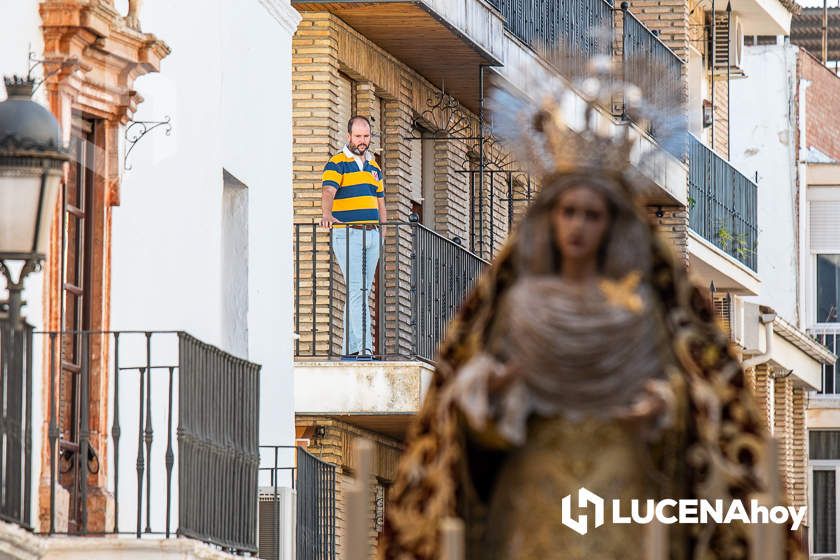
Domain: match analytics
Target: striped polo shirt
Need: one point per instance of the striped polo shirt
(357, 190)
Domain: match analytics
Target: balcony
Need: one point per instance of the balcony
(291, 475)
(150, 435)
(417, 31)
(419, 283)
(723, 206)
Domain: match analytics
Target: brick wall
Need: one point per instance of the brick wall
(669, 18)
(336, 447)
(673, 226)
(822, 106)
(788, 422)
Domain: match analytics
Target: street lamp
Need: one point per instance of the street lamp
(31, 160)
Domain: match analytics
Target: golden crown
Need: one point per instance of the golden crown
(581, 123)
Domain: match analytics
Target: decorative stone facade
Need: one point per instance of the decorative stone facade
(92, 57)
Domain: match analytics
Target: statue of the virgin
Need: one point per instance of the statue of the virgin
(584, 358)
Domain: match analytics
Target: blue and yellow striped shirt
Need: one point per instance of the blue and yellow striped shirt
(357, 191)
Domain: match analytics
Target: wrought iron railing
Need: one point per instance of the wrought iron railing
(143, 403)
(315, 508)
(15, 422)
(411, 291)
(723, 204)
(650, 63)
(829, 336)
(314, 481)
(567, 32)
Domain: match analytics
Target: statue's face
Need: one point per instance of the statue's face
(581, 219)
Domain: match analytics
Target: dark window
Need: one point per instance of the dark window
(825, 512)
(828, 288)
(824, 445)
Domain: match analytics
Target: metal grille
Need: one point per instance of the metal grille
(315, 508)
(652, 65)
(162, 383)
(829, 337)
(15, 422)
(560, 29)
(419, 282)
(723, 204)
(218, 439)
(443, 273)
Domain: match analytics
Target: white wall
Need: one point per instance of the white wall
(22, 34)
(763, 139)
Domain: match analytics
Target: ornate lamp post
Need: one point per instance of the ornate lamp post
(31, 159)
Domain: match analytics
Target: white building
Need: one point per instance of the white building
(186, 228)
(783, 139)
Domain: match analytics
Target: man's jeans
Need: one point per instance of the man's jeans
(360, 253)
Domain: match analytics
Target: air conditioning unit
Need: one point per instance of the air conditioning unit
(276, 522)
(728, 46)
(740, 319)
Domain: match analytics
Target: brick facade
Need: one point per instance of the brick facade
(822, 106)
(336, 447)
(672, 224)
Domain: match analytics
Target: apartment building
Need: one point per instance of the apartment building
(790, 142)
(380, 60)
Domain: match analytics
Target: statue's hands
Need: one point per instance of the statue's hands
(654, 404)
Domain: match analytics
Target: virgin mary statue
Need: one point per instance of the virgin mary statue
(584, 358)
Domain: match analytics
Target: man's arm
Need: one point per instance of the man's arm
(383, 213)
(327, 196)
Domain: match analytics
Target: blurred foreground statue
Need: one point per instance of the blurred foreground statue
(584, 358)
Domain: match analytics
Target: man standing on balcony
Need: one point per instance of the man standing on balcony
(353, 206)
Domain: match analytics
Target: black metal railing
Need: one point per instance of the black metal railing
(314, 481)
(315, 508)
(723, 204)
(174, 403)
(411, 291)
(829, 336)
(567, 32)
(15, 422)
(651, 64)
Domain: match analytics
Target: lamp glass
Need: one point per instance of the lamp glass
(20, 191)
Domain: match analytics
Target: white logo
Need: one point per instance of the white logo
(669, 511)
(580, 524)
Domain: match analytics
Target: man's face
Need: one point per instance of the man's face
(359, 138)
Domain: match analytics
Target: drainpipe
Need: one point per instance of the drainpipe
(767, 320)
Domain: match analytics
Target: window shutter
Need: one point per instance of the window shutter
(416, 170)
(345, 107)
(825, 226)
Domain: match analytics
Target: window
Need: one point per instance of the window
(824, 454)
(831, 373)
(828, 288)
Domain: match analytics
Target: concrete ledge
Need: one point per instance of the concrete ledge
(19, 544)
(708, 263)
(345, 388)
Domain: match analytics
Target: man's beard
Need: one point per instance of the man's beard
(358, 150)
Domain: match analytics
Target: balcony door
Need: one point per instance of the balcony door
(76, 303)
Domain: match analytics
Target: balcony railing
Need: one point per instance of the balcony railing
(314, 481)
(576, 30)
(159, 425)
(650, 63)
(723, 204)
(15, 422)
(412, 292)
(829, 336)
